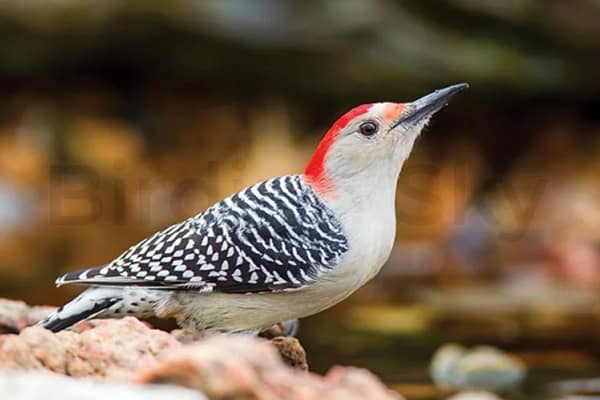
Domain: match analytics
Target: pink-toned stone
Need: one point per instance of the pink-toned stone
(220, 366)
(16, 315)
(109, 348)
(224, 367)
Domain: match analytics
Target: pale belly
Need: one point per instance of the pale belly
(240, 312)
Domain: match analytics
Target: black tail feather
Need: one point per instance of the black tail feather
(63, 319)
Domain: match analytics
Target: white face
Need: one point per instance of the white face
(366, 148)
(373, 144)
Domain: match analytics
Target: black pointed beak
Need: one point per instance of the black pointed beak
(428, 105)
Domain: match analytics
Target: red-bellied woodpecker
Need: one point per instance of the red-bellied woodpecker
(285, 248)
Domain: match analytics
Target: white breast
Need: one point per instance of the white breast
(371, 236)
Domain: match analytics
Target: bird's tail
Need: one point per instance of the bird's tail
(91, 303)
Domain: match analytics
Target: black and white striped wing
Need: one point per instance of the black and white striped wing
(275, 235)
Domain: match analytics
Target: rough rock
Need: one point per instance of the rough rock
(100, 348)
(16, 315)
(285, 328)
(218, 366)
(291, 351)
(38, 385)
(225, 367)
(82, 355)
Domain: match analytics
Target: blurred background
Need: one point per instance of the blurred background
(118, 118)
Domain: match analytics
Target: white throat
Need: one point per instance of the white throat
(364, 201)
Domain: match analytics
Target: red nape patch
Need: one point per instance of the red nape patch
(315, 169)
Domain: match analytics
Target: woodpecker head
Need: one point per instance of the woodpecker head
(371, 142)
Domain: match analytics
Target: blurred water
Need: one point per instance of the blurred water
(401, 359)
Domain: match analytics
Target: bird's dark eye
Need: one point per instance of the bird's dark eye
(368, 128)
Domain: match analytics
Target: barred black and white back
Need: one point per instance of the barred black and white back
(274, 236)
